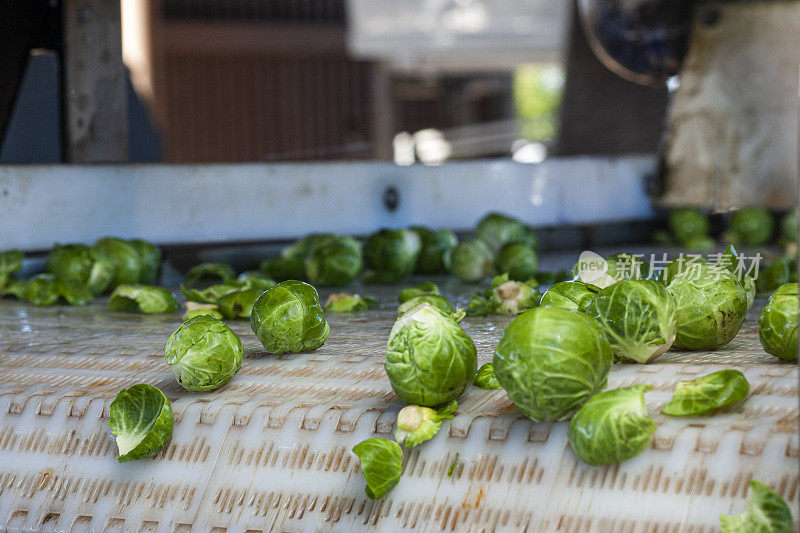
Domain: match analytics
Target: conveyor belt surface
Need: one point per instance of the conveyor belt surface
(271, 450)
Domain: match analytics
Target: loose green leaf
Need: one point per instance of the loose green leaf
(416, 424)
(766, 512)
(142, 421)
(453, 465)
(422, 289)
(572, 295)
(343, 302)
(485, 378)
(207, 272)
(478, 306)
(203, 353)
(706, 394)
(612, 426)
(143, 298)
(381, 463)
(212, 294)
(10, 262)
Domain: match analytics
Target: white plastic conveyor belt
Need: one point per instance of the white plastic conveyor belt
(271, 451)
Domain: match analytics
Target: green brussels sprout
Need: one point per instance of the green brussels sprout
(485, 378)
(688, 224)
(572, 295)
(288, 318)
(420, 290)
(82, 264)
(612, 426)
(550, 361)
(430, 360)
(125, 259)
(391, 255)
(416, 424)
(343, 302)
(73, 292)
(706, 394)
(766, 512)
(10, 262)
(680, 265)
(437, 301)
(478, 306)
(255, 279)
(141, 420)
(283, 268)
(513, 297)
(150, 256)
(381, 463)
(638, 317)
(777, 323)
(203, 353)
(773, 275)
(208, 272)
(194, 309)
(335, 263)
(731, 261)
(471, 260)
(496, 230)
(751, 226)
(143, 298)
(789, 227)
(518, 260)
(435, 252)
(42, 290)
(302, 249)
(710, 304)
(238, 304)
(702, 244)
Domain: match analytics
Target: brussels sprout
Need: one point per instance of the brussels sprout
(284, 268)
(204, 353)
(572, 295)
(391, 255)
(435, 252)
(687, 224)
(550, 361)
(420, 290)
(710, 304)
(17, 288)
(772, 276)
(638, 317)
(141, 419)
(789, 228)
(73, 292)
(438, 302)
(208, 272)
(81, 264)
(496, 230)
(679, 265)
(612, 426)
(194, 309)
(342, 302)
(336, 262)
(706, 394)
(513, 297)
(485, 378)
(142, 298)
(471, 260)
(518, 260)
(417, 424)
(288, 318)
(751, 226)
(302, 249)
(430, 360)
(125, 259)
(255, 279)
(777, 323)
(238, 304)
(702, 244)
(42, 290)
(381, 463)
(478, 306)
(766, 512)
(150, 256)
(10, 262)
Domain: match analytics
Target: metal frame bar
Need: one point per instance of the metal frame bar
(43, 204)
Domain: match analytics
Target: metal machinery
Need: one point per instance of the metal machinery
(271, 451)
